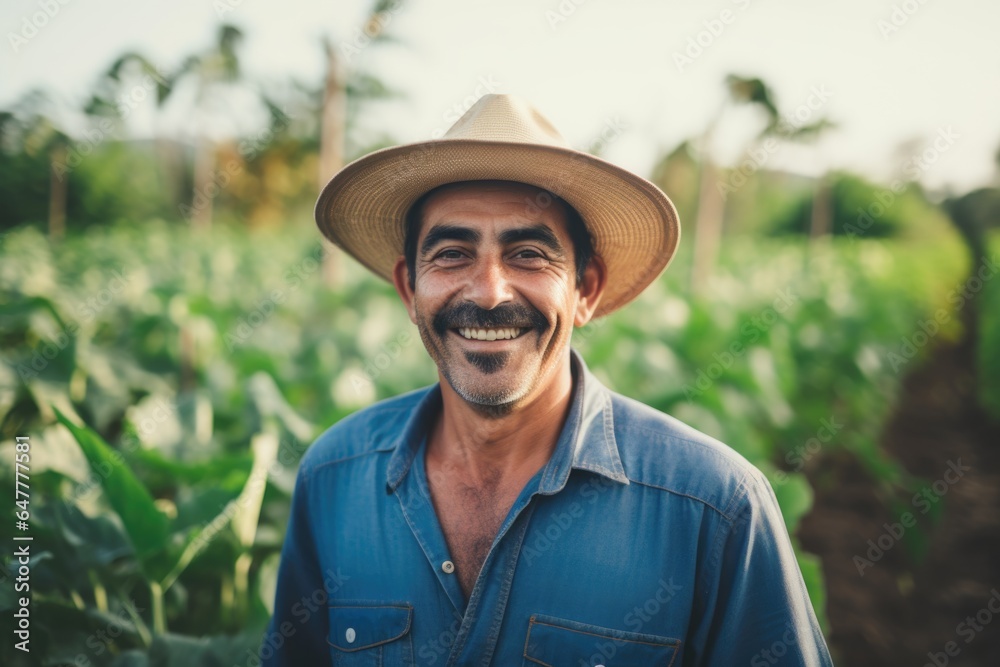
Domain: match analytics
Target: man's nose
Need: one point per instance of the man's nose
(489, 284)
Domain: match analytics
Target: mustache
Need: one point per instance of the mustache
(505, 315)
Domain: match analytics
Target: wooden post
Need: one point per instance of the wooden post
(333, 129)
(202, 199)
(57, 192)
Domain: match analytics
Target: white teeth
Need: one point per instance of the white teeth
(490, 334)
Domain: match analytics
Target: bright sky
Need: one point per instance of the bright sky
(889, 72)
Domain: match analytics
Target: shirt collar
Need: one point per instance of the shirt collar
(586, 442)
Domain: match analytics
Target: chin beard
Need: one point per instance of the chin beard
(491, 404)
(488, 362)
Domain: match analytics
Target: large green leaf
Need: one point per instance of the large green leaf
(988, 348)
(170, 650)
(147, 526)
(226, 471)
(81, 544)
(795, 497)
(812, 575)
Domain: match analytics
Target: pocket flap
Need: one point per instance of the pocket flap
(354, 627)
(556, 642)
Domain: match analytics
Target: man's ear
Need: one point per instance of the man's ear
(401, 281)
(590, 290)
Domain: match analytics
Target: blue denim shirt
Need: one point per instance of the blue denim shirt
(642, 542)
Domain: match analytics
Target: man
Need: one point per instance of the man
(518, 512)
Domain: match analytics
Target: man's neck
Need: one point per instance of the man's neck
(507, 448)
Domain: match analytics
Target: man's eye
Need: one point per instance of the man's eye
(529, 254)
(449, 254)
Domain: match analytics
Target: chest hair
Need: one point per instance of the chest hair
(470, 517)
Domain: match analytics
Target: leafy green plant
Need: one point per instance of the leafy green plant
(988, 340)
(170, 383)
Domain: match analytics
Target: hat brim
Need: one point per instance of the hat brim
(633, 223)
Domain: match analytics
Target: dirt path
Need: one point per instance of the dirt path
(906, 606)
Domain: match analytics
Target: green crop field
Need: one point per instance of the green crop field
(170, 382)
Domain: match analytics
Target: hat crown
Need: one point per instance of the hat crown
(505, 118)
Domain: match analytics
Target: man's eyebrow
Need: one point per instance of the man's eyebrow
(448, 233)
(538, 232)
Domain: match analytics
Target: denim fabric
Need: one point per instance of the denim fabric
(642, 542)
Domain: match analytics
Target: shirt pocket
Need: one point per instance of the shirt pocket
(370, 634)
(556, 642)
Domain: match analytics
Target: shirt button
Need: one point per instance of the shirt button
(447, 567)
(350, 635)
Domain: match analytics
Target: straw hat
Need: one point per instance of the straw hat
(634, 225)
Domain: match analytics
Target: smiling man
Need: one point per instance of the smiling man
(499, 297)
(518, 512)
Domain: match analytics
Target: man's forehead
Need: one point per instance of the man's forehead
(515, 203)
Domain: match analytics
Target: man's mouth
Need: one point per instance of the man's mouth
(503, 333)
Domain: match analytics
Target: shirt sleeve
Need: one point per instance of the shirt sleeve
(756, 609)
(297, 632)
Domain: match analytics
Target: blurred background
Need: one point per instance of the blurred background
(175, 333)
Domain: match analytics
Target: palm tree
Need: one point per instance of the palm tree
(708, 214)
(339, 83)
(126, 84)
(29, 128)
(213, 71)
(113, 95)
(711, 206)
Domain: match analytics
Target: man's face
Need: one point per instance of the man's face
(495, 295)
